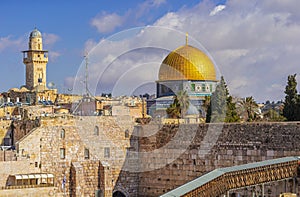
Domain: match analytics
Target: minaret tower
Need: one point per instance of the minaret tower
(35, 59)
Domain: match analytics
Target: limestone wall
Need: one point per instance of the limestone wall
(179, 158)
(32, 192)
(104, 137)
(4, 129)
(15, 167)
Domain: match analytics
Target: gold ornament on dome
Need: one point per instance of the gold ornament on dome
(187, 63)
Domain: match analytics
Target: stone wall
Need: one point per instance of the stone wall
(103, 138)
(4, 130)
(85, 178)
(15, 167)
(22, 127)
(8, 155)
(177, 154)
(110, 154)
(32, 192)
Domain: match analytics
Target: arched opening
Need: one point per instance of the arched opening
(118, 194)
(96, 130)
(62, 134)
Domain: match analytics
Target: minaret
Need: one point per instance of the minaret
(35, 59)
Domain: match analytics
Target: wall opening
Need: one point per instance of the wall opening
(118, 194)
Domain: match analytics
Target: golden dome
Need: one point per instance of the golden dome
(187, 63)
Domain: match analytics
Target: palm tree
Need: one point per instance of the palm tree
(248, 108)
(184, 102)
(173, 110)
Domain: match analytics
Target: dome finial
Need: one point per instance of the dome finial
(186, 38)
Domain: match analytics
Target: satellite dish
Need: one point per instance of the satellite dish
(51, 85)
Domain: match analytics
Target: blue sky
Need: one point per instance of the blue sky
(70, 24)
(255, 44)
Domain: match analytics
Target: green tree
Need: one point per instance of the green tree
(231, 112)
(184, 102)
(216, 111)
(291, 102)
(248, 109)
(273, 115)
(173, 110)
(179, 106)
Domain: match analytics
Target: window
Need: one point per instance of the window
(62, 153)
(210, 87)
(62, 134)
(192, 87)
(96, 130)
(203, 87)
(106, 152)
(86, 153)
(126, 133)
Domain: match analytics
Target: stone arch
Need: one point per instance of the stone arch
(118, 194)
(120, 191)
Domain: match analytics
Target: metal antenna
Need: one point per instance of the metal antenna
(86, 75)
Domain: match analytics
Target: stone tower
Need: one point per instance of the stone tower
(35, 59)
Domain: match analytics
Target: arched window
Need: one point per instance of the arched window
(62, 134)
(96, 130)
(126, 133)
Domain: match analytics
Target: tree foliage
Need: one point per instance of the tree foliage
(273, 116)
(184, 102)
(248, 109)
(291, 108)
(221, 107)
(173, 110)
(179, 106)
(231, 112)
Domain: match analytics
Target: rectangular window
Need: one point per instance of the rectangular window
(210, 87)
(106, 152)
(192, 87)
(203, 87)
(62, 153)
(86, 153)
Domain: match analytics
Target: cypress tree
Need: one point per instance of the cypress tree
(291, 102)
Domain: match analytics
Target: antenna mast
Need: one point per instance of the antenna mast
(86, 75)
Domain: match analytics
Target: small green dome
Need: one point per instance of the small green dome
(35, 33)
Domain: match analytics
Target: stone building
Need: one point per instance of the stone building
(35, 59)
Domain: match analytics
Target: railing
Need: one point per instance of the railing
(223, 180)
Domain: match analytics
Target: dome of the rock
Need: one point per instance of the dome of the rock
(187, 63)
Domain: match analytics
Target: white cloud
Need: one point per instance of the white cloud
(159, 2)
(171, 20)
(53, 55)
(89, 45)
(9, 42)
(255, 44)
(49, 38)
(217, 9)
(106, 23)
